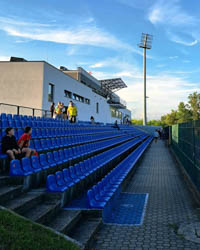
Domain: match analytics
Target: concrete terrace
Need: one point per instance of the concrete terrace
(169, 205)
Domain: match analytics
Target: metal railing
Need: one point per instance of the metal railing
(23, 110)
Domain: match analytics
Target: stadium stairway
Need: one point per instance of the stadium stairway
(45, 208)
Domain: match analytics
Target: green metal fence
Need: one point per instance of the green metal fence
(185, 142)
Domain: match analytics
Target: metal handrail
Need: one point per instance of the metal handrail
(30, 108)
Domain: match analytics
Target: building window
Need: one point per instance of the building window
(87, 101)
(68, 94)
(97, 107)
(51, 92)
(78, 98)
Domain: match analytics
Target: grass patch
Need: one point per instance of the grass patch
(17, 233)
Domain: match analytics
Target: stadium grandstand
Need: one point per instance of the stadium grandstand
(92, 184)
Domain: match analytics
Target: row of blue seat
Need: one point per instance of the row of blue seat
(103, 191)
(42, 124)
(79, 172)
(48, 133)
(57, 158)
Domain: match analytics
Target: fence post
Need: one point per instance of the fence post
(33, 112)
(18, 110)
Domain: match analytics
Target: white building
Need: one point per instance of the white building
(36, 84)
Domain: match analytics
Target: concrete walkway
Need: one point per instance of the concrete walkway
(169, 205)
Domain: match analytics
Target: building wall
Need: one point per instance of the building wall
(21, 84)
(63, 82)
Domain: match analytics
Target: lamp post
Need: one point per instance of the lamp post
(146, 43)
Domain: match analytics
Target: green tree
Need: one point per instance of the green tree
(137, 122)
(194, 105)
(172, 118)
(184, 114)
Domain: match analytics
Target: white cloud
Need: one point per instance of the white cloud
(4, 58)
(87, 34)
(173, 57)
(164, 92)
(177, 39)
(186, 61)
(170, 13)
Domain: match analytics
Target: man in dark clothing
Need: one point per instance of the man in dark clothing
(116, 125)
(9, 145)
(52, 108)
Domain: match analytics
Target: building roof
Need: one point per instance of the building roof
(114, 84)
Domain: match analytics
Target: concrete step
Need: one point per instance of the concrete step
(4, 180)
(44, 211)
(25, 201)
(65, 221)
(85, 230)
(9, 192)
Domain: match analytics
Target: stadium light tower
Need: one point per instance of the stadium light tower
(146, 43)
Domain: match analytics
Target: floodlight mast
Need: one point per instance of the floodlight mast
(146, 43)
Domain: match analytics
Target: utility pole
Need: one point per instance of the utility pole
(146, 43)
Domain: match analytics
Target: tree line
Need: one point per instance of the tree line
(185, 112)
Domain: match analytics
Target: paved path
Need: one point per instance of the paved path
(169, 205)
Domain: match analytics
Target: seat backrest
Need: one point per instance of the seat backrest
(15, 168)
(26, 164)
(59, 178)
(35, 162)
(51, 182)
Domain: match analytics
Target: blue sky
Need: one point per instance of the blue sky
(102, 37)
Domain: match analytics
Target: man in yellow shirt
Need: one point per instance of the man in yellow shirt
(72, 112)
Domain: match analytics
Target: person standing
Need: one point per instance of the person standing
(58, 110)
(156, 135)
(72, 112)
(65, 117)
(52, 108)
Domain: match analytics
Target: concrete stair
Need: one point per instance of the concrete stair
(9, 192)
(45, 211)
(85, 230)
(24, 202)
(65, 221)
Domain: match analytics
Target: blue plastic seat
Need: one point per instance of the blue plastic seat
(44, 145)
(62, 156)
(11, 123)
(35, 163)
(78, 172)
(3, 116)
(16, 169)
(43, 161)
(38, 146)
(67, 177)
(57, 158)
(50, 160)
(52, 185)
(26, 166)
(92, 202)
(73, 174)
(49, 145)
(18, 124)
(4, 124)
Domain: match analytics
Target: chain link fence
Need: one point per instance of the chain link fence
(185, 142)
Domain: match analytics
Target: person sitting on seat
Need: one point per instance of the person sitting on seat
(9, 145)
(92, 120)
(116, 125)
(24, 142)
